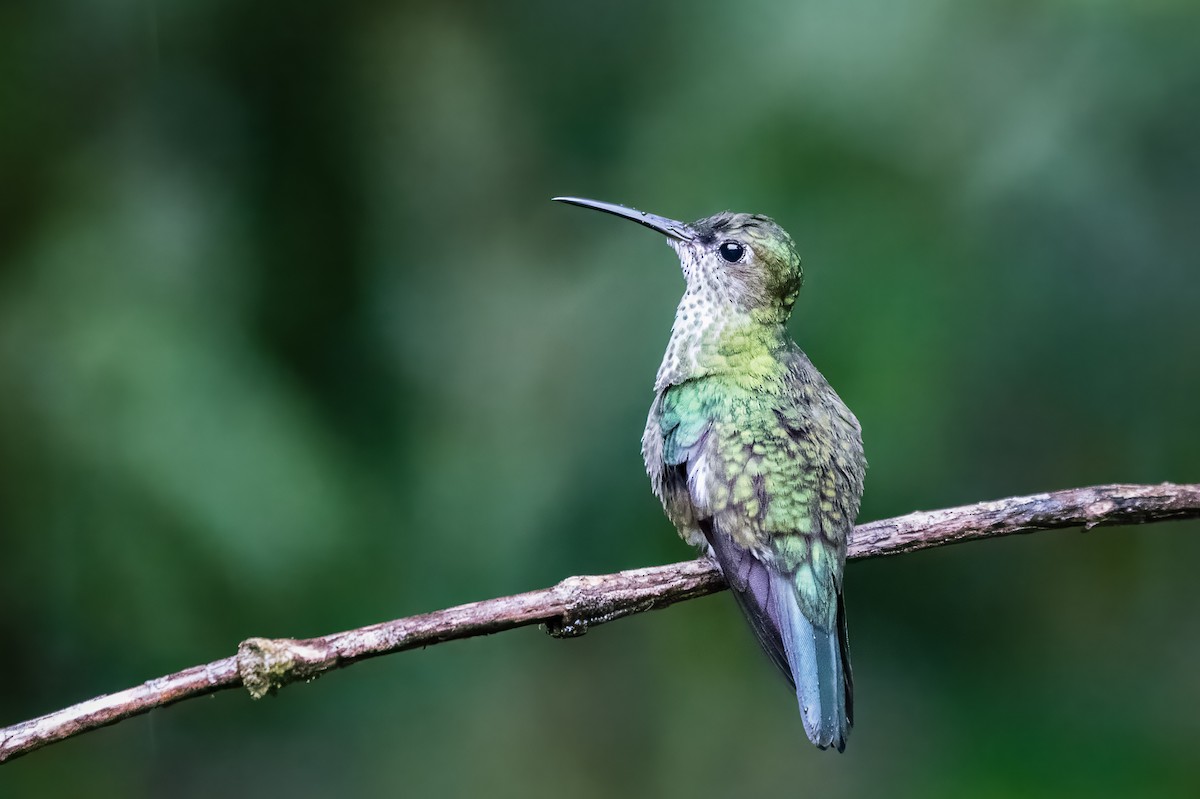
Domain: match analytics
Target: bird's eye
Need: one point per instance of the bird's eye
(731, 251)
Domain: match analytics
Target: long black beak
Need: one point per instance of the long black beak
(668, 227)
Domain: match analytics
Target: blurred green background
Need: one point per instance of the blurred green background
(292, 340)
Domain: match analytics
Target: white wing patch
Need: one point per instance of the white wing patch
(698, 482)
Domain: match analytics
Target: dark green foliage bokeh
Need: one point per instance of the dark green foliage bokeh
(291, 341)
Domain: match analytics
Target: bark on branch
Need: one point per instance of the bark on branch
(265, 665)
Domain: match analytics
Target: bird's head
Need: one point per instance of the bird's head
(744, 262)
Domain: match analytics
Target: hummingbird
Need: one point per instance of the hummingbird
(753, 455)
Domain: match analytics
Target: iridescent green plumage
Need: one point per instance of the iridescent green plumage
(754, 455)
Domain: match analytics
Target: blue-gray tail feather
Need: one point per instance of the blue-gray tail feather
(815, 661)
(819, 668)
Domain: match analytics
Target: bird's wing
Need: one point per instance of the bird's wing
(677, 432)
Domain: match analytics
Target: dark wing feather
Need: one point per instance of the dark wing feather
(844, 647)
(750, 583)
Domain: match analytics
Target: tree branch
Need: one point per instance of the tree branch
(264, 665)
